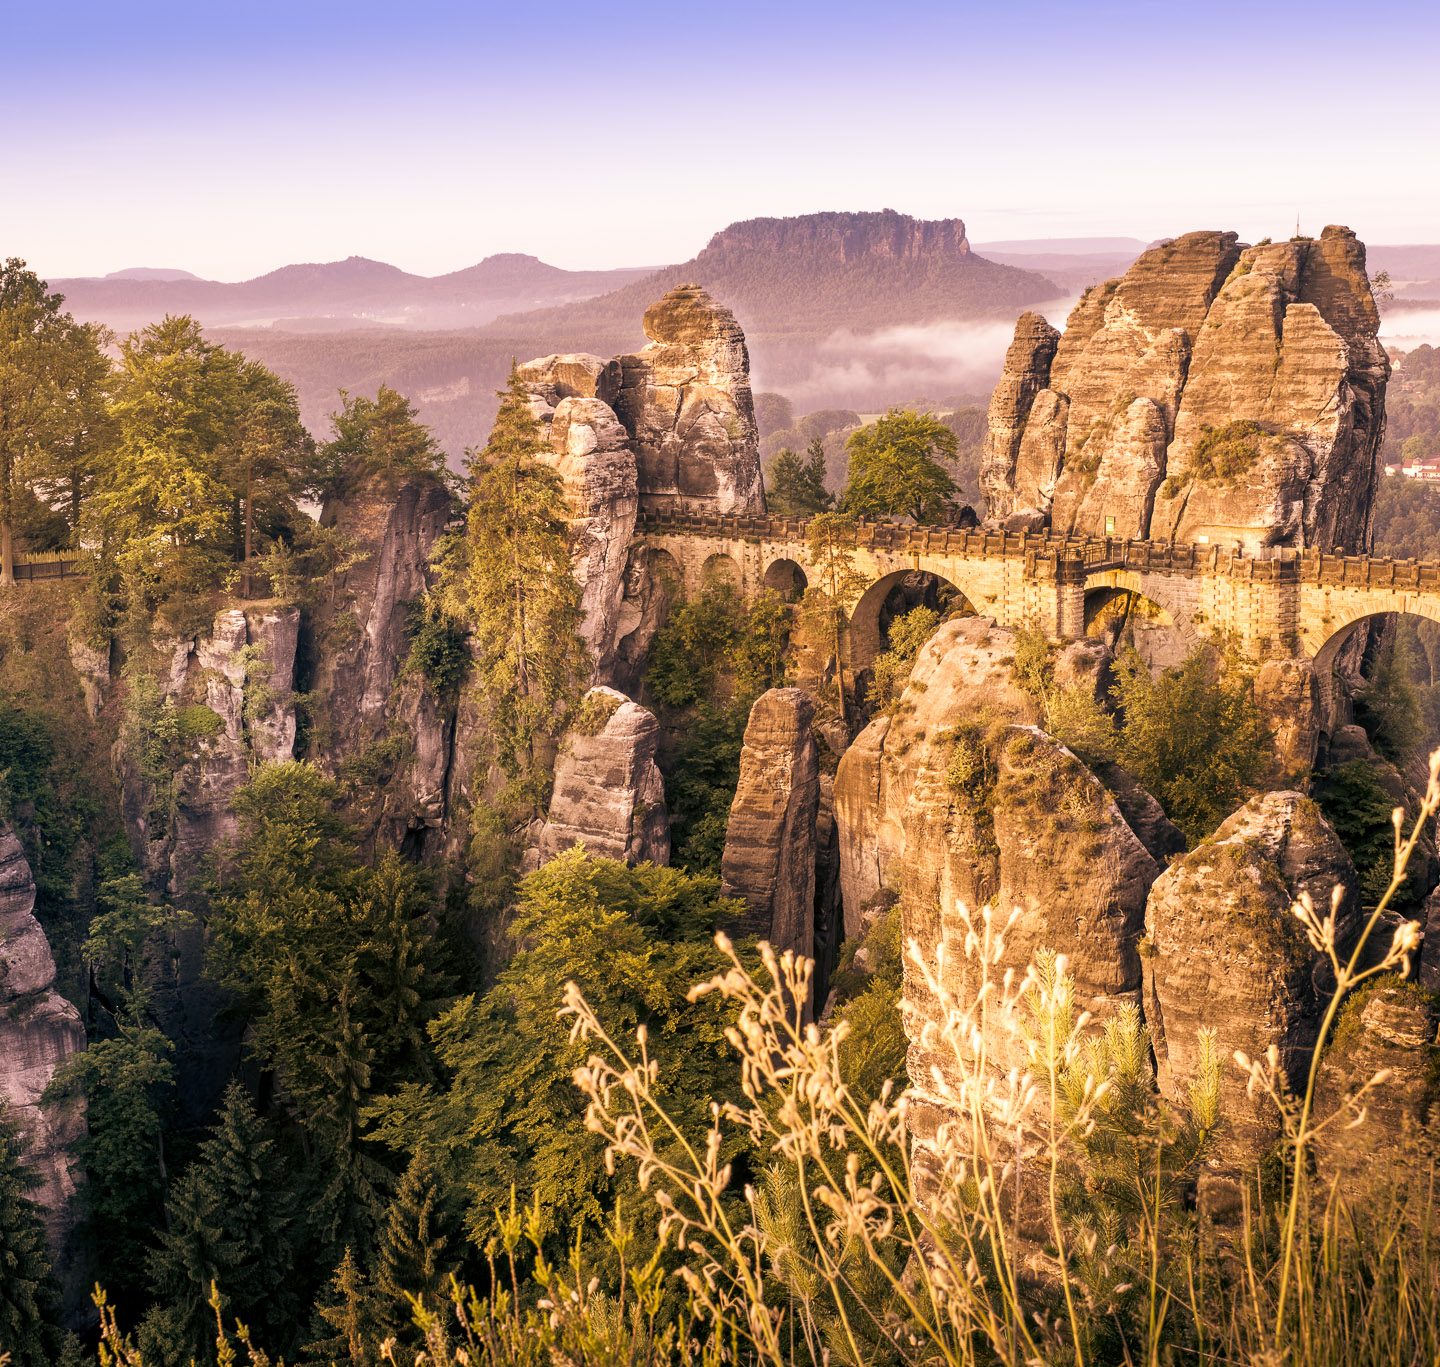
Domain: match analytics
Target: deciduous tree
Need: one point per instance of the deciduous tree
(897, 467)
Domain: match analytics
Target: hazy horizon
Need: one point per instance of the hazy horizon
(227, 143)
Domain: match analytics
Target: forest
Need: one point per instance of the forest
(358, 1090)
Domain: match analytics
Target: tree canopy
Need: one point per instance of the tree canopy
(897, 467)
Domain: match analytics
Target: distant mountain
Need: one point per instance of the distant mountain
(809, 276)
(357, 292)
(1064, 246)
(851, 309)
(150, 273)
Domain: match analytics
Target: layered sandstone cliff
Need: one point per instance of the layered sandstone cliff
(1213, 393)
(771, 855)
(39, 1030)
(608, 794)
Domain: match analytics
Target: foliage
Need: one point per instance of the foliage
(1193, 736)
(375, 441)
(1407, 516)
(128, 1084)
(716, 646)
(834, 584)
(419, 1248)
(898, 467)
(513, 587)
(438, 651)
(1389, 707)
(1224, 454)
(337, 966)
(891, 670)
(795, 485)
(507, 1114)
(29, 1301)
(1358, 806)
(230, 1221)
(703, 771)
(52, 416)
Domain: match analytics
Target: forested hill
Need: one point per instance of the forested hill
(355, 292)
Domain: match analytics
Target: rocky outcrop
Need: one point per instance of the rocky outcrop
(770, 843)
(92, 665)
(957, 801)
(1288, 696)
(39, 1030)
(383, 728)
(1214, 393)
(229, 696)
(551, 380)
(1027, 365)
(593, 455)
(1224, 951)
(685, 400)
(608, 794)
(1387, 1027)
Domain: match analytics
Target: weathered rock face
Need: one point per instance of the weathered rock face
(593, 455)
(39, 1030)
(373, 720)
(553, 379)
(1156, 371)
(685, 400)
(92, 664)
(234, 691)
(1027, 364)
(1225, 951)
(957, 801)
(608, 794)
(770, 843)
(1288, 695)
(1389, 1027)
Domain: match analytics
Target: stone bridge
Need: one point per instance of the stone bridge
(1283, 603)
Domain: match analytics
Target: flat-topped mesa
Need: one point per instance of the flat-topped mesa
(1215, 394)
(685, 400)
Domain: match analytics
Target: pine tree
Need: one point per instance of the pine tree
(834, 583)
(345, 1311)
(418, 1247)
(28, 1298)
(795, 485)
(518, 594)
(230, 1220)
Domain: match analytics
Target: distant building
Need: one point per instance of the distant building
(1420, 469)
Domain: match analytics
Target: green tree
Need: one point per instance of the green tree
(896, 467)
(1193, 736)
(337, 965)
(52, 373)
(891, 671)
(795, 485)
(230, 1221)
(517, 594)
(419, 1248)
(376, 439)
(508, 1114)
(834, 583)
(29, 1301)
(128, 1084)
(348, 1330)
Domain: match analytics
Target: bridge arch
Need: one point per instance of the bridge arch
(787, 578)
(721, 568)
(891, 596)
(1122, 608)
(1326, 636)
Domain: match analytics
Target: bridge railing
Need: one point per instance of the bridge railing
(1272, 564)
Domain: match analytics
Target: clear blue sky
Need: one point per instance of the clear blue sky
(230, 138)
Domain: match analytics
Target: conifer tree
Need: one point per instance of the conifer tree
(518, 594)
(418, 1249)
(348, 1331)
(834, 582)
(28, 1299)
(231, 1221)
(795, 485)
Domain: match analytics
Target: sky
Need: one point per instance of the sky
(228, 139)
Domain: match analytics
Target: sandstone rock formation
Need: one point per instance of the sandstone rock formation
(593, 455)
(232, 691)
(39, 1030)
(685, 400)
(1213, 393)
(957, 801)
(608, 794)
(1389, 1027)
(374, 718)
(770, 843)
(1224, 951)
(1288, 695)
